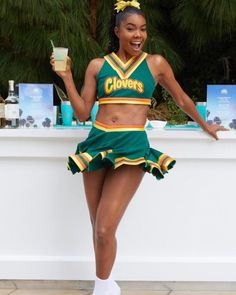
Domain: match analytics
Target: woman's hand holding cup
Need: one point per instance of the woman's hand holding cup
(61, 67)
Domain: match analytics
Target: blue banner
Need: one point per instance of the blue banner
(221, 105)
(36, 105)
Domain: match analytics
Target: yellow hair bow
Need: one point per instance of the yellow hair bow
(121, 5)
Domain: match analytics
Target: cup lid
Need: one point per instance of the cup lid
(57, 47)
(66, 102)
(201, 103)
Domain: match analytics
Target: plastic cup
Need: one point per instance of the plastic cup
(94, 111)
(66, 113)
(201, 108)
(60, 54)
(55, 115)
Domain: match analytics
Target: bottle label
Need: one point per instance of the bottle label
(12, 111)
(2, 110)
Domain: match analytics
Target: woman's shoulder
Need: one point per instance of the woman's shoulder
(157, 59)
(158, 64)
(96, 64)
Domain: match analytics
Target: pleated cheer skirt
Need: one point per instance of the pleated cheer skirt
(113, 146)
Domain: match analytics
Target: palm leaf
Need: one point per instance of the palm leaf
(61, 94)
(205, 20)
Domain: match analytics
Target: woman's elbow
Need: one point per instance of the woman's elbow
(180, 101)
(183, 101)
(82, 117)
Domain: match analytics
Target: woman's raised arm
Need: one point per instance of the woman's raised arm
(82, 104)
(167, 79)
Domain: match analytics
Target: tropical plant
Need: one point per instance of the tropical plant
(61, 94)
(208, 31)
(26, 28)
(205, 21)
(196, 37)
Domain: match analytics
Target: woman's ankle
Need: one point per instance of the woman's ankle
(105, 286)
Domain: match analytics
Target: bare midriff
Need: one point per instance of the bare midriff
(122, 114)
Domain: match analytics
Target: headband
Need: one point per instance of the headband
(121, 5)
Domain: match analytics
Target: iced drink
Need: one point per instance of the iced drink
(201, 108)
(60, 54)
(67, 113)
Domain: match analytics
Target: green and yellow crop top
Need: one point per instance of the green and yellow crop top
(118, 81)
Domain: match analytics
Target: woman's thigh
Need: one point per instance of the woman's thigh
(93, 184)
(118, 189)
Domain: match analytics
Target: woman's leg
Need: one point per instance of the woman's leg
(118, 189)
(93, 183)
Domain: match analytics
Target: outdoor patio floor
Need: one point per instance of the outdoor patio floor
(40, 287)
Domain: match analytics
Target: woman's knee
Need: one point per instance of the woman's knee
(104, 234)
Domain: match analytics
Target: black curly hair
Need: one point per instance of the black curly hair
(116, 20)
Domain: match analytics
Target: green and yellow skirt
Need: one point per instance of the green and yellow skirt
(113, 146)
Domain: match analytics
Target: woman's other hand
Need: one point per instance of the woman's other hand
(213, 129)
(65, 73)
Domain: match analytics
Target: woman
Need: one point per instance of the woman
(116, 154)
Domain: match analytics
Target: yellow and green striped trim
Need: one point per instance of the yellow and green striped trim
(164, 161)
(83, 159)
(104, 153)
(154, 165)
(117, 100)
(124, 160)
(138, 161)
(125, 70)
(87, 158)
(120, 62)
(78, 161)
(112, 128)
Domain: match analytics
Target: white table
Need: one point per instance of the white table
(181, 228)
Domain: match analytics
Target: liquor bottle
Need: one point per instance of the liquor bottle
(2, 112)
(12, 107)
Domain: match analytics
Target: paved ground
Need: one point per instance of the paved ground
(23, 287)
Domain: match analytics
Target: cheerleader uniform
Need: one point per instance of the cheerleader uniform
(116, 145)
